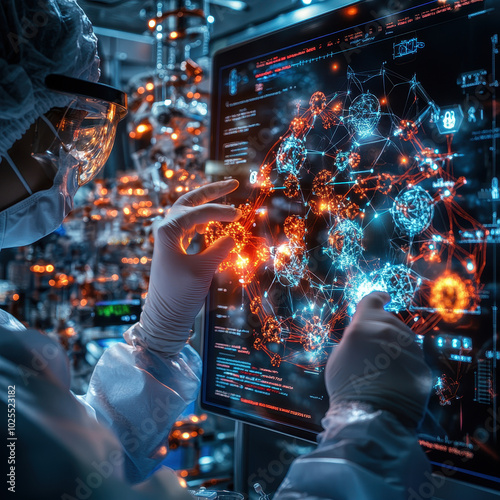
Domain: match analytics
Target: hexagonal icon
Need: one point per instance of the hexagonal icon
(450, 119)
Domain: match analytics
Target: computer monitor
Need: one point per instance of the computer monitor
(365, 143)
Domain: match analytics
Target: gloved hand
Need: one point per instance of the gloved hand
(378, 362)
(179, 282)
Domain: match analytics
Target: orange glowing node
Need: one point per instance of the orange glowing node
(152, 23)
(255, 305)
(291, 186)
(174, 136)
(150, 86)
(451, 296)
(15, 297)
(271, 331)
(295, 228)
(322, 184)
(298, 125)
(174, 34)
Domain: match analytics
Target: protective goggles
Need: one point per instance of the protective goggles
(86, 128)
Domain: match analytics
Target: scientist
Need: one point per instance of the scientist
(57, 127)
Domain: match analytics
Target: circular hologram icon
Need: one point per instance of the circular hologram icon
(290, 263)
(399, 282)
(345, 243)
(317, 103)
(291, 155)
(364, 114)
(413, 210)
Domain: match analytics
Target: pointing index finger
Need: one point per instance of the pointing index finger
(208, 193)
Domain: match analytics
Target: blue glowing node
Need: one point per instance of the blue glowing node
(413, 210)
(345, 243)
(291, 155)
(364, 114)
(399, 282)
(290, 262)
(358, 287)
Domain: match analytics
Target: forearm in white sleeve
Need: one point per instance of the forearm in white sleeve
(139, 395)
(363, 454)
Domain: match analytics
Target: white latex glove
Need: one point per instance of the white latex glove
(180, 282)
(378, 362)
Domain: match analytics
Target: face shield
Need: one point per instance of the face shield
(86, 128)
(72, 145)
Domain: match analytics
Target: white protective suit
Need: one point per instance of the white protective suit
(61, 450)
(378, 385)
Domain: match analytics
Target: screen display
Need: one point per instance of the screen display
(365, 143)
(116, 312)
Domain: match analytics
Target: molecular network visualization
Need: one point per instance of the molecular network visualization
(366, 201)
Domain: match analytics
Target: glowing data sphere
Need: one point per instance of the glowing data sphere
(290, 263)
(399, 282)
(314, 334)
(345, 243)
(364, 114)
(291, 155)
(413, 210)
(317, 102)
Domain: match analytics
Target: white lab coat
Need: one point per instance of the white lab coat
(362, 455)
(63, 453)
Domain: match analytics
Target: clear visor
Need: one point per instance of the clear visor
(86, 129)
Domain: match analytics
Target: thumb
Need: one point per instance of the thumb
(217, 252)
